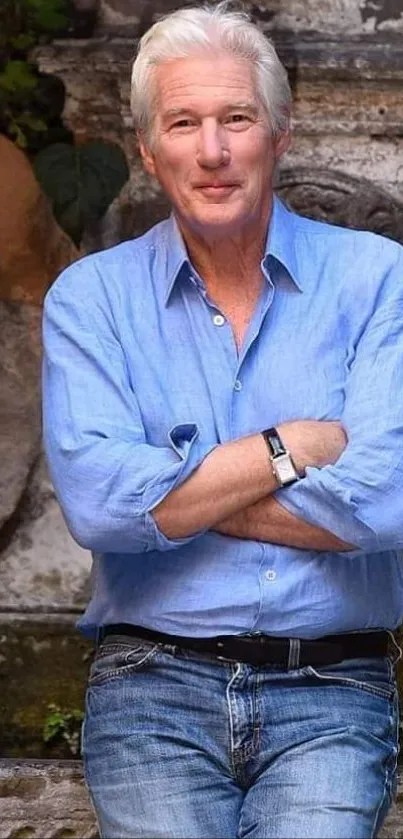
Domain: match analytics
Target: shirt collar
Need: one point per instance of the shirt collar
(177, 260)
(280, 245)
(280, 242)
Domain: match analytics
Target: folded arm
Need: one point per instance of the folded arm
(118, 492)
(359, 498)
(269, 521)
(355, 503)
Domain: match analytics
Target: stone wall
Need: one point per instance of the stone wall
(334, 18)
(40, 567)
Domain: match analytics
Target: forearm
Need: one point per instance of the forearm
(233, 476)
(238, 474)
(268, 521)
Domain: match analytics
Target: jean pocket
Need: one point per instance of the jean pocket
(372, 675)
(117, 659)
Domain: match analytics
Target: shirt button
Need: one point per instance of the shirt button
(271, 575)
(238, 385)
(218, 320)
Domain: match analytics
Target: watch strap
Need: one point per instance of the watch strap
(281, 460)
(274, 442)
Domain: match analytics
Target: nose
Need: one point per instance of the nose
(212, 151)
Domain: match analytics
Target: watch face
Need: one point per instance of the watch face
(284, 469)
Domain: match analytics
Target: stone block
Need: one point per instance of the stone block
(41, 567)
(328, 17)
(44, 800)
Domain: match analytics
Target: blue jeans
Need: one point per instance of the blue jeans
(178, 745)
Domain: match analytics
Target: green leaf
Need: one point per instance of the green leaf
(61, 723)
(20, 138)
(47, 15)
(32, 122)
(54, 723)
(81, 181)
(18, 76)
(22, 42)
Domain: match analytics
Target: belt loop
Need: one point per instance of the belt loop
(294, 653)
(398, 651)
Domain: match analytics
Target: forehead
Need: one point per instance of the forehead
(204, 81)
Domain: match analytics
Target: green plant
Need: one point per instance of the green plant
(63, 725)
(81, 181)
(22, 22)
(28, 105)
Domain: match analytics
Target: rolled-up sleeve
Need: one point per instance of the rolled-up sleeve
(106, 475)
(360, 498)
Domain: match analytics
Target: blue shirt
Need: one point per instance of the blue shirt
(142, 379)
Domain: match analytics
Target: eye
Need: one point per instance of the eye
(238, 118)
(238, 121)
(182, 123)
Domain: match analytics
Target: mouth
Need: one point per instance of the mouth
(216, 188)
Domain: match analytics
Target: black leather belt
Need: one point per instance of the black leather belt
(259, 650)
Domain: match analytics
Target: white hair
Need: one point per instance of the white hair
(189, 30)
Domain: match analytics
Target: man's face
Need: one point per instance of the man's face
(213, 152)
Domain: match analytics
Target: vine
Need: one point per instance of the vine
(80, 181)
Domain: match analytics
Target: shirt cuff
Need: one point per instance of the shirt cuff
(320, 500)
(184, 439)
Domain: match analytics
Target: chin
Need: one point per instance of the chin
(220, 221)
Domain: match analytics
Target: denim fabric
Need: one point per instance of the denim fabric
(185, 746)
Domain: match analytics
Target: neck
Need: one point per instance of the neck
(229, 260)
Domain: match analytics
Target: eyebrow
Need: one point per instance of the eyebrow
(233, 106)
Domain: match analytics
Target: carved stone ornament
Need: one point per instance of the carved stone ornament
(340, 199)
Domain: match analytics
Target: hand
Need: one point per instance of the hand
(313, 442)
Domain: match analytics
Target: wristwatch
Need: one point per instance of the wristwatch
(281, 460)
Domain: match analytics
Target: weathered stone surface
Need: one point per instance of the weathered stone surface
(378, 162)
(123, 17)
(41, 567)
(43, 661)
(33, 248)
(337, 17)
(330, 196)
(44, 800)
(325, 16)
(48, 799)
(20, 429)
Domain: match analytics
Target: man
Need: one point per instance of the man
(223, 423)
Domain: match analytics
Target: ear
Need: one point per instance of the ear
(282, 142)
(146, 155)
